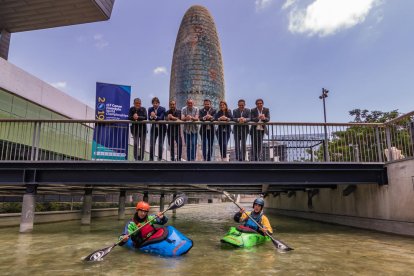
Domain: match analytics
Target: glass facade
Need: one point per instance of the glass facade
(52, 140)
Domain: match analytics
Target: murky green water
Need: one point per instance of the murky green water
(320, 249)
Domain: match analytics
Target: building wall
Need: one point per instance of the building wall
(387, 208)
(23, 96)
(27, 91)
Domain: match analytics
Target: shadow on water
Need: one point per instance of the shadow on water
(320, 249)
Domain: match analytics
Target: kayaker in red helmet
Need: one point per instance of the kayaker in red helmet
(140, 217)
(257, 215)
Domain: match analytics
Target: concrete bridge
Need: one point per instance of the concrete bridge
(344, 173)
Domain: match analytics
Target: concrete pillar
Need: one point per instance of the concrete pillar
(145, 197)
(121, 207)
(175, 210)
(28, 209)
(86, 207)
(162, 202)
(4, 44)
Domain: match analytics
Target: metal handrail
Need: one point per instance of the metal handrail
(34, 139)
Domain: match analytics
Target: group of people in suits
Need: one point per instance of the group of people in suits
(208, 131)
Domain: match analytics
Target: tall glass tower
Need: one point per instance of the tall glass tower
(197, 66)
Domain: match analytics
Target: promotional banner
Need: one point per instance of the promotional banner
(110, 141)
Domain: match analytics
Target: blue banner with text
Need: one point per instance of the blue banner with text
(110, 140)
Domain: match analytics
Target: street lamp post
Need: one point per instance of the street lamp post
(325, 142)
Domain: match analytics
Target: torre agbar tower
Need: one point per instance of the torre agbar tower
(197, 66)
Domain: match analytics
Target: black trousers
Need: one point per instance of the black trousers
(257, 145)
(172, 140)
(207, 137)
(139, 145)
(240, 137)
(157, 132)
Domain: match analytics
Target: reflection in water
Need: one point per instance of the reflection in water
(320, 249)
(24, 242)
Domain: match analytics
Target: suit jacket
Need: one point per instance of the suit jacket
(160, 116)
(202, 112)
(142, 116)
(254, 117)
(242, 127)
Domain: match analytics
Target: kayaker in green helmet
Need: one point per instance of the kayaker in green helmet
(257, 215)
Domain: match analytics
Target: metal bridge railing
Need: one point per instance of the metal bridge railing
(79, 140)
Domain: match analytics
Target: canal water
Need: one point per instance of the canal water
(320, 249)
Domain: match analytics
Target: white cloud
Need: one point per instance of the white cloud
(160, 70)
(288, 4)
(100, 42)
(262, 4)
(326, 17)
(59, 84)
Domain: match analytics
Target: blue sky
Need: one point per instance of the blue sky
(283, 51)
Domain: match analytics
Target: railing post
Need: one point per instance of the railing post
(35, 142)
(356, 153)
(388, 137)
(378, 142)
(325, 146)
(311, 154)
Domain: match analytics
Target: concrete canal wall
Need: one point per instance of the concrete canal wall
(7, 220)
(55, 216)
(387, 208)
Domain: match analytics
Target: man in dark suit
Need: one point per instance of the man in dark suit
(241, 116)
(138, 130)
(259, 115)
(174, 132)
(156, 113)
(207, 131)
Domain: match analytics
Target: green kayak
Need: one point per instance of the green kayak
(243, 237)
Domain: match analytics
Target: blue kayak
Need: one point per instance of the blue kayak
(169, 243)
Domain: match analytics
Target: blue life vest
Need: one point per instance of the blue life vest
(258, 218)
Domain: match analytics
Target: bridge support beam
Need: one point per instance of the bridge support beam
(291, 193)
(121, 207)
(28, 209)
(87, 207)
(162, 197)
(311, 194)
(174, 215)
(349, 190)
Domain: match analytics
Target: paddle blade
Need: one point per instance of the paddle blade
(280, 245)
(178, 202)
(99, 254)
